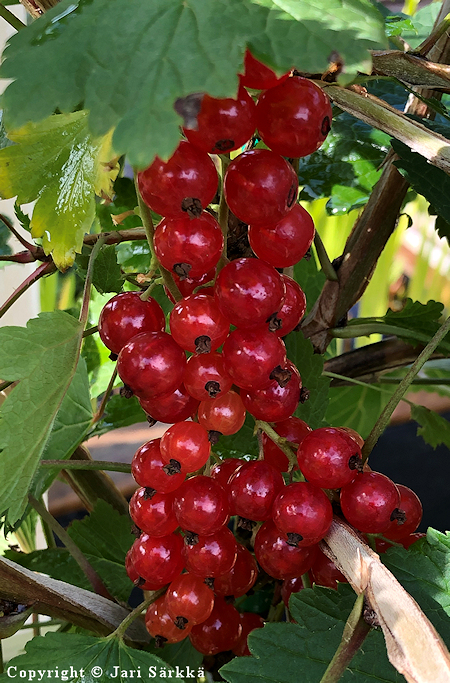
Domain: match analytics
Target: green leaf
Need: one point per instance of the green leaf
(357, 407)
(426, 179)
(168, 49)
(107, 275)
(423, 21)
(43, 356)
(181, 654)
(239, 444)
(69, 429)
(290, 652)
(5, 234)
(423, 571)
(310, 366)
(434, 429)
(396, 25)
(59, 164)
(134, 256)
(81, 658)
(310, 279)
(119, 412)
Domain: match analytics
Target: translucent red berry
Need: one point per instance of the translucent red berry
(253, 489)
(259, 76)
(185, 444)
(240, 578)
(292, 429)
(290, 586)
(205, 376)
(136, 579)
(220, 632)
(412, 507)
(201, 505)
(189, 600)
(370, 502)
(172, 407)
(210, 555)
(249, 621)
(223, 471)
(152, 512)
(275, 403)
(158, 559)
(329, 458)
(325, 573)
(161, 626)
(254, 357)
(303, 512)
(147, 467)
(197, 324)
(224, 414)
(277, 557)
(125, 316)
(286, 242)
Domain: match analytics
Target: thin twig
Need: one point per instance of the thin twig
(106, 465)
(28, 246)
(90, 330)
(88, 283)
(86, 567)
(41, 270)
(385, 416)
(324, 259)
(280, 441)
(11, 18)
(365, 329)
(106, 396)
(123, 626)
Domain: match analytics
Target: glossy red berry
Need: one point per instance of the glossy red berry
(292, 429)
(277, 557)
(189, 247)
(223, 471)
(260, 187)
(290, 586)
(354, 435)
(249, 292)
(188, 284)
(152, 512)
(253, 489)
(325, 573)
(189, 600)
(172, 407)
(185, 444)
(220, 632)
(224, 414)
(201, 505)
(161, 626)
(370, 501)
(303, 512)
(240, 578)
(259, 76)
(183, 185)
(329, 458)
(412, 507)
(197, 324)
(253, 358)
(205, 376)
(293, 308)
(286, 242)
(151, 364)
(211, 555)
(158, 559)
(294, 118)
(249, 621)
(147, 467)
(223, 124)
(275, 403)
(408, 541)
(136, 579)
(125, 316)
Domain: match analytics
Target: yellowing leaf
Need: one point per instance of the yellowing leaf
(58, 163)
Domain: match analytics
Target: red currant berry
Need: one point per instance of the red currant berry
(275, 403)
(212, 555)
(185, 444)
(325, 573)
(201, 505)
(293, 308)
(294, 118)
(125, 316)
(292, 429)
(136, 579)
(158, 559)
(260, 187)
(223, 124)
(259, 76)
(220, 632)
(173, 407)
(224, 414)
(185, 184)
(253, 358)
(277, 557)
(151, 364)
(153, 512)
(370, 502)
(161, 626)
(302, 512)
(189, 247)
(197, 324)
(329, 458)
(223, 471)
(249, 292)
(147, 467)
(205, 376)
(249, 621)
(412, 507)
(286, 242)
(189, 600)
(188, 284)
(355, 436)
(290, 586)
(412, 538)
(253, 488)
(240, 578)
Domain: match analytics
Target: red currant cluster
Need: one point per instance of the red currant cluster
(182, 509)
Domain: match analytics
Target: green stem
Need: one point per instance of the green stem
(123, 626)
(146, 293)
(364, 329)
(11, 18)
(355, 631)
(43, 624)
(73, 549)
(276, 612)
(306, 581)
(417, 380)
(90, 330)
(223, 206)
(434, 36)
(99, 414)
(104, 465)
(279, 440)
(359, 383)
(88, 282)
(48, 534)
(324, 259)
(385, 416)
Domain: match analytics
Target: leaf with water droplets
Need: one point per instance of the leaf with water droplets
(58, 163)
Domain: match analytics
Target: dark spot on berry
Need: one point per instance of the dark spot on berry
(180, 622)
(126, 391)
(214, 436)
(203, 344)
(355, 463)
(294, 539)
(172, 467)
(326, 126)
(281, 375)
(192, 206)
(275, 323)
(213, 388)
(223, 146)
(399, 516)
(292, 195)
(182, 270)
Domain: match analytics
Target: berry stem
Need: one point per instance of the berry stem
(41, 270)
(134, 614)
(324, 259)
(106, 396)
(90, 330)
(355, 631)
(364, 329)
(280, 442)
(88, 282)
(385, 416)
(107, 466)
(306, 581)
(78, 556)
(11, 18)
